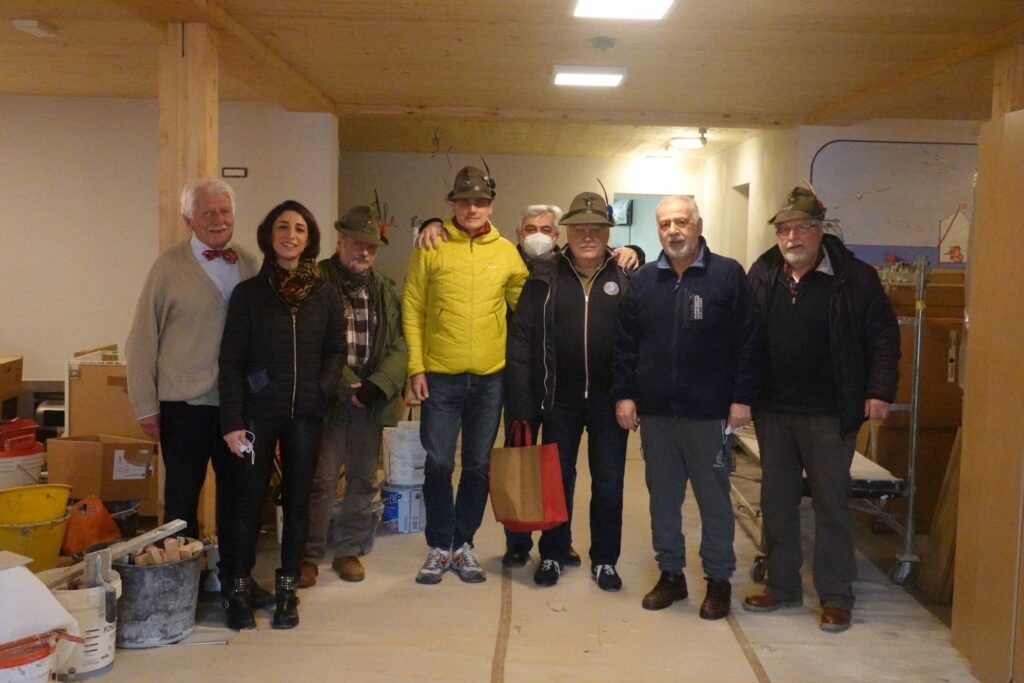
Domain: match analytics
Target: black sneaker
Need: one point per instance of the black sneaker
(515, 556)
(547, 573)
(606, 576)
(572, 558)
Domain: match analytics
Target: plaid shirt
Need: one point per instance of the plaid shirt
(360, 324)
(823, 265)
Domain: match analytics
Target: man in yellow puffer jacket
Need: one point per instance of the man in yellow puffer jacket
(454, 316)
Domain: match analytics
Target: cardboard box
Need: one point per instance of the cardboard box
(10, 385)
(111, 467)
(890, 448)
(941, 398)
(97, 396)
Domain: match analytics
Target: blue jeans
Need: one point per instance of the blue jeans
(470, 403)
(606, 448)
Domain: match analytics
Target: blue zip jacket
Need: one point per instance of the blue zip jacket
(688, 346)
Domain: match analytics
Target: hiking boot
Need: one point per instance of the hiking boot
(670, 587)
(717, 601)
(435, 566)
(349, 568)
(547, 573)
(467, 566)
(308, 574)
(606, 577)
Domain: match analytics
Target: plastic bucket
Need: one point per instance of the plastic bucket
(29, 504)
(158, 603)
(30, 660)
(40, 541)
(21, 470)
(97, 623)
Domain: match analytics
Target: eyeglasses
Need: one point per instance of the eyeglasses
(798, 229)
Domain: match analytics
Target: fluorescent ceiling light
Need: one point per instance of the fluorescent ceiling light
(690, 141)
(591, 76)
(34, 27)
(622, 9)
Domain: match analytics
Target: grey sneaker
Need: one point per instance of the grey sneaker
(435, 566)
(466, 564)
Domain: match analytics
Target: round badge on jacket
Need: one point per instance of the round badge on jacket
(611, 288)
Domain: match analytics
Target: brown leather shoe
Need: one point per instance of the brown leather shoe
(670, 587)
(349, 568)
(717, 601)
(834, 619)
(768, 603)
(308, 574)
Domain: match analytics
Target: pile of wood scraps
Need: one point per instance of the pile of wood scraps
(174, 550)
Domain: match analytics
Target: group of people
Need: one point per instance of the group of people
(303, 364)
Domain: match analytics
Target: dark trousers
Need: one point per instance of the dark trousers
(471, 404)
(606, 449)
(249, 479)
(791, 445)
(189, 439)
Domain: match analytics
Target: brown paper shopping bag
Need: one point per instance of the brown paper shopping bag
(526, 484)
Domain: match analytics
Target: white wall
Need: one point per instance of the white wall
(767, 164)
(78, 209)
(414, 186)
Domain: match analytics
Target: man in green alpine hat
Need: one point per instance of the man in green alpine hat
(370, 394)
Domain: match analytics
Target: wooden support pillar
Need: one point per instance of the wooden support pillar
(188, 76)
(188, 93)
(988, 593)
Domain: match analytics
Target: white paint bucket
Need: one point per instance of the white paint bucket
(20, 470)
(31, 660)
(404, 455)
(97, 624)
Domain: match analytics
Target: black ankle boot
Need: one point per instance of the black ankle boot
(238, 604)
(286, 615)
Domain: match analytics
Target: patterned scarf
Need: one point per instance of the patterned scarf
(295, 286)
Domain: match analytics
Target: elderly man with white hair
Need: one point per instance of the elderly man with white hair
(174, 343)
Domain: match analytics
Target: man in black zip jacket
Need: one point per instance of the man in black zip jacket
(685, 366)
(559, 370)
(832, 351)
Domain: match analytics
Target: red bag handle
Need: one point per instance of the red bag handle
(522, 434)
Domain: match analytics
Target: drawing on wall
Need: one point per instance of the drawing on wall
(896, 201)
(953, 233)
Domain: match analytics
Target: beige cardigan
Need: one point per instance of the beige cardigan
(174, 344)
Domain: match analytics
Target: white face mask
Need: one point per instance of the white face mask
(537, 245)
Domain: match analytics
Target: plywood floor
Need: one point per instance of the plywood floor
(388, 628)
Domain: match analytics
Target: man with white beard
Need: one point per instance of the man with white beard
(685, 366)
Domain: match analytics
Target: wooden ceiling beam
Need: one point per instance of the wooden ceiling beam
(845, 111)
(588, 116)
(264, 70)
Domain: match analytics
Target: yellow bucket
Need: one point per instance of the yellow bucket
(31, 504)
(40, 541)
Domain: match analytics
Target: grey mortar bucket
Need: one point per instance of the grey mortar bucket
(158, 603)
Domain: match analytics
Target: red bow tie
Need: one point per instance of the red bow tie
(228, 254)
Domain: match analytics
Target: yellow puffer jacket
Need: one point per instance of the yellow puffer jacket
(454, 303)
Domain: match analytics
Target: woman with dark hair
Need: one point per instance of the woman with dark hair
(280, 359)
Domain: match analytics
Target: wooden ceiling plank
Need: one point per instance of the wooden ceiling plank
(844, 110)
(1008, 82)
(265, 71)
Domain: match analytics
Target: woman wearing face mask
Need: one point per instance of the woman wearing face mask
(280, 359)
